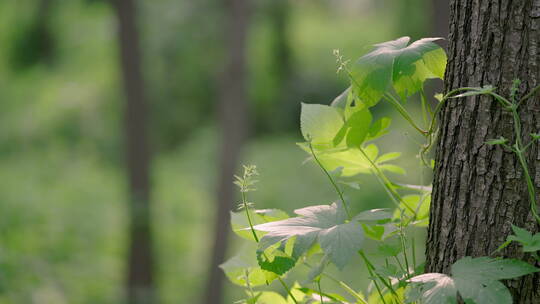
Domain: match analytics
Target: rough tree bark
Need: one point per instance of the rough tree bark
(479, 190)
(140, 283)
(232, 112)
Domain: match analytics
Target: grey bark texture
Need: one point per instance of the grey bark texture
(479, 190)
(140, 271)
(232, 110)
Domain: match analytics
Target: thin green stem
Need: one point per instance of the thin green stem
(530, 94)
(288, 290)
(403, 245)
(386, 183)
(394, 102)
(413, 249)
(244, 202)
(528, 145)
(424, 103)
(369, 267)
(399, 264)
(339, 192)
(343, 285)
(320, 290)
(519, 149)
(248, 284)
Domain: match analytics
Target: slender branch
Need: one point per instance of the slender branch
(403, 112)
(320, 290)
(339, 192)
(246, 207)
(368, 266)
(245, 204)
(530, 94)
(246, 272)
(386, 183)
(343, 285)
(288, 290)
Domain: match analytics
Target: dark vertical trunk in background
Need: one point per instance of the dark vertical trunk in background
(479, 190)
(35, 41)
(140, 284)
(284, 108)
(232, 112)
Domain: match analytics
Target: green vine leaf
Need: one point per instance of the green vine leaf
(373, 215)
(395, 63)
(420, 204)
(327, 297)
(243, 263)
(379, 128)
(276, 258)
(353, 162)
(355, 129)
(476, 279)
(320, 124)
(325, 224)
(530, 242)
(434, 288)
(240, 225)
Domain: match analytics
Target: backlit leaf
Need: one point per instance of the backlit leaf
(325, 224)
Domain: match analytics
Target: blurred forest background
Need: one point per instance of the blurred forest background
(108, 108)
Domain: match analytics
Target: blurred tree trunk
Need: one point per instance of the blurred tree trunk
(479, 190)
(35, 42)
(232, 112)
(283, 108)
(140, 283)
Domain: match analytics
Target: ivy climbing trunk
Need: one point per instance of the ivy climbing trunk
(140, 283)
(232, 110)
(479, 190)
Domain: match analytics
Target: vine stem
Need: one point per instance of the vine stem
(320, 290)
(339, 192)
(403, 112)
(368, 266)
(245, 204)
(246, 207)
(249, 285)
(343, 285)
(523, 162)
(386, 183)
(518, 148)
(370, 269)
(530, 94)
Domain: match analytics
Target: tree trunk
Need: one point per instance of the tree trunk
(479, 190)
(282, 110)
(232, 112)
(140, 284)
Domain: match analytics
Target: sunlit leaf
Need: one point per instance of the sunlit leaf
(320, 123)
(371, 75)
(240, 224)
(435, 288)
(325, 224)
(476, 279)
(379, 128)
(530, 242)
(244, 266)
(394, 63)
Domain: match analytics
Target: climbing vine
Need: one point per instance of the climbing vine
(341, 139)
